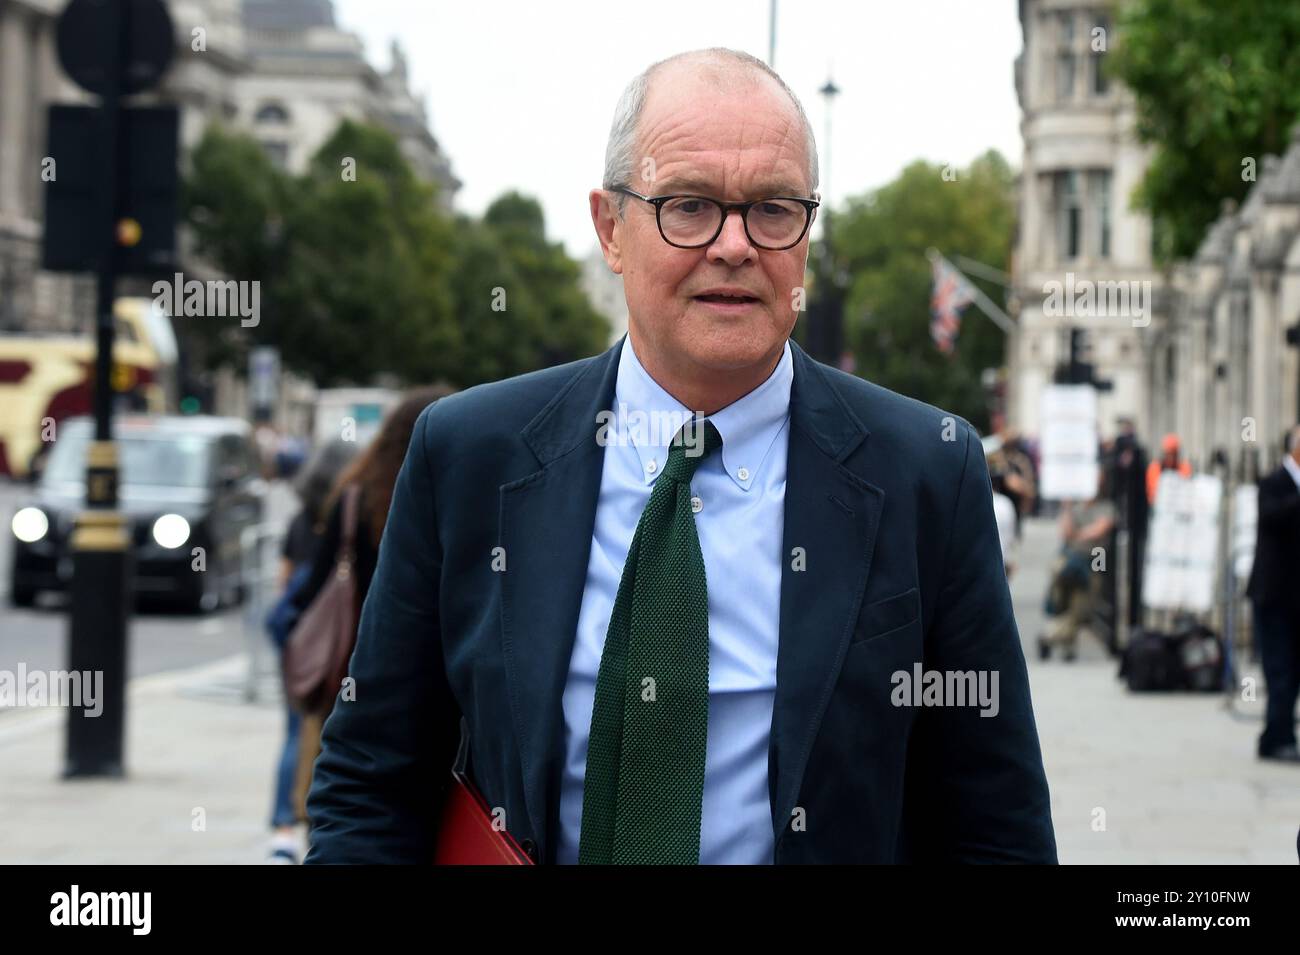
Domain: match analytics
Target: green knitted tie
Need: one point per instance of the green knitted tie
(644, 783)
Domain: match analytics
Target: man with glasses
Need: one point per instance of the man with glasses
(683, 643)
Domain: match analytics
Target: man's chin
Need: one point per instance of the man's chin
(730, 349)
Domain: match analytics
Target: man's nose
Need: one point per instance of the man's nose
(732, 244)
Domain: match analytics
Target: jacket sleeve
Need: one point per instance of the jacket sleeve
(976, 784)
(386, 755)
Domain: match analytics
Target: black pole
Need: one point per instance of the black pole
(100, 545)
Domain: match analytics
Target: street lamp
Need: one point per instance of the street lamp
(825, 322)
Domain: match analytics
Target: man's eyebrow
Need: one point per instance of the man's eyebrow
(703, 188)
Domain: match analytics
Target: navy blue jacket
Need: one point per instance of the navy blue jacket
(889, 500)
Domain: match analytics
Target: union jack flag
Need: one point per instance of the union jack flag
(951, 294)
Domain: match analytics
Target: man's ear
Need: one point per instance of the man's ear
(609, 227)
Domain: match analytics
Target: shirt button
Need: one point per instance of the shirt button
(696, 505)
(743, 474)
(652, 466)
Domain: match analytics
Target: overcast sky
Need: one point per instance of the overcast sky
(521, 93)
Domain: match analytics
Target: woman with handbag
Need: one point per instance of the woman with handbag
(330, 601)
(314, 484)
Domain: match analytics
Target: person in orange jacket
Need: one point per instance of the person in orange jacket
(1170, 459)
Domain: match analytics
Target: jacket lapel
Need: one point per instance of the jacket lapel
(831, 515)
(547, 518)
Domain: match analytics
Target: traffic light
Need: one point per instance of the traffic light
(145, 234)
(1079, 370)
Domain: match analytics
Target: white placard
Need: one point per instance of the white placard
(1183, 543)
(1069, 470)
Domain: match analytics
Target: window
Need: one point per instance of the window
(1099, 209)
(278, 153)
(236, 459)
(1069, 214)
(271, 113)
(1065, 56)
(124, 331)
(1100, 86)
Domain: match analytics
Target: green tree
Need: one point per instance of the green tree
(362, 275)
(1217, 87)
(518, 296)
(365, 284)
(235, 202)
(881, 240)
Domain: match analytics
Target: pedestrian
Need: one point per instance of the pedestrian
(1019, 476)
(1076, 589)
(372, 473)
(1171, 459)
(1004, 507)
(595, 567)
(266, 439)
(1132, 508)
(301, 543)
(1275, 599)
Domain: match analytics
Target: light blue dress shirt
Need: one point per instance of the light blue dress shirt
(739, 505)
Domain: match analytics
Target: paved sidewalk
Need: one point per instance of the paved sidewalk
(194, 751)
(1175, 775)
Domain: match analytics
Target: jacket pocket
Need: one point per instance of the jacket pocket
(888, 615)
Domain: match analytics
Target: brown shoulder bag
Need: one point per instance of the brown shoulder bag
(317, 652)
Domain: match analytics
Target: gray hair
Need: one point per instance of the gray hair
(620, 151)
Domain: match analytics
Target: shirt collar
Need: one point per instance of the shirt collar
(1292, 468)
(648, 417)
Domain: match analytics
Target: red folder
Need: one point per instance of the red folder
(466, 834)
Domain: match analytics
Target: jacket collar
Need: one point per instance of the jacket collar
(547, 518)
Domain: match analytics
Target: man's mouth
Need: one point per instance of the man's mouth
(726, 299)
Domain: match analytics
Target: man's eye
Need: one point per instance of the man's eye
(773, 210)
(689, 206)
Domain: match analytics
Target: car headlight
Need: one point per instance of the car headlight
(171, 531)
(30, 525)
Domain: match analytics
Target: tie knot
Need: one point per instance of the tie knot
(690, 446)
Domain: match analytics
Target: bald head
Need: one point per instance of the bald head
(718, 71)
(714, 125)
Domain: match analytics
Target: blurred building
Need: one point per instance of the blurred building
(307, 75)
(1226, 372)
(1076, 230)
(604, 289)
(30, 79)
(281, 70)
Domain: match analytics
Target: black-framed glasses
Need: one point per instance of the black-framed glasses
(692, 222)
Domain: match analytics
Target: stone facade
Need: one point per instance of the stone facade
(1076, 230)
(306, 76)
(281, 70)
(1225, 376)
(1211, 362)
(30, 78)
